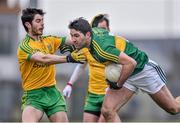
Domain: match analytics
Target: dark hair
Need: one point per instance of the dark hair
(80, 24)
(99, 18)
(28, 15)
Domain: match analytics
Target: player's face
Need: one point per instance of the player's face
(37, 25)
(103, 24)
(78, 39)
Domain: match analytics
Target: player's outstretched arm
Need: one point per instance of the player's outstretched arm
(74, 57)
(80, 68)
(48, 58)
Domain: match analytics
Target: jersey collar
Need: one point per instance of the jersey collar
(27, 35)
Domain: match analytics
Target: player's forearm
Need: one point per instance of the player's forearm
(127, 70)
(80, 68)
(53, 59)
(128, 66)
(48, 58)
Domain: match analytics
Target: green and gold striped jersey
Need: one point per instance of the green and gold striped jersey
(36, 75)
(97, 83)
(105, 47)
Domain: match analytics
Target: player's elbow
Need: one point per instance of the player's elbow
(39, 57)
(133, 63)
(173, 109)
(173, 112)
(45, 59)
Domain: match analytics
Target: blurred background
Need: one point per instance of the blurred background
(153, 25)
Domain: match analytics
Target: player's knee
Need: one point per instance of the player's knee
(106, 112)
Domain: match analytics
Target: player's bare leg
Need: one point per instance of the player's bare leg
(31, 114)
(87, 117)
(101, 119)
(166, 101)
(115, 99)
(59, 117)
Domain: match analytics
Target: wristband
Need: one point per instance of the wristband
(69, 84)
(119, 86)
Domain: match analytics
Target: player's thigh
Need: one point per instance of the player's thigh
(88, 117)
(93, 103)
(114, 99)
(56, 102)
(164, 98)
(59, 117)
(31, 114)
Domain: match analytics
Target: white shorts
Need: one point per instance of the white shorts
(150, 80)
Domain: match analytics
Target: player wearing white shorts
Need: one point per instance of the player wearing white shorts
(97, 83)
(138, 72)
(151, 79)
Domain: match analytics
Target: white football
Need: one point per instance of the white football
(113, 72)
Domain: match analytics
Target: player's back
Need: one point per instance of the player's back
(106, 47)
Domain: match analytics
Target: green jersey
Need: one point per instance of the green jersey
(105, 47)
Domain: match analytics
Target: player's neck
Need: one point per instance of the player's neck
(35, 37)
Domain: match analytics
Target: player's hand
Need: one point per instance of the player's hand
(67, 91)
(113, 85)
(107, 89)
(76, 57)
(66, 48)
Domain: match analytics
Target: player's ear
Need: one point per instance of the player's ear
(27, 24)
(88, 34)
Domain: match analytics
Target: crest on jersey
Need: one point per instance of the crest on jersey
(49, 47)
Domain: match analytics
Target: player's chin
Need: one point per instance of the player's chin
(40, 32)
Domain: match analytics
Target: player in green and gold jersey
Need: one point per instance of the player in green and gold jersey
(36, 62)
(138, 71)
(97, 84)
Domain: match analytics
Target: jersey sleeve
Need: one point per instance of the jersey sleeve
(58, 41)
(24, 53)
(106, 52)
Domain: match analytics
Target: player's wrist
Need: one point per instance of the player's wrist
(119, 86)
(70, 59)
(70, 84)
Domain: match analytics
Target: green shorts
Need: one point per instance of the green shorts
(93, 103)
(47, 99)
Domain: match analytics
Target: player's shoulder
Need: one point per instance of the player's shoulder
(99, 31)
(24, 45)
(120, 38)
(25, 41)
(49, 36)
(53, 37)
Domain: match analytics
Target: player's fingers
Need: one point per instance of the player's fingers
(107, 89)
(64, 93)
(81, 58)
(80, 53)
(68, 95)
